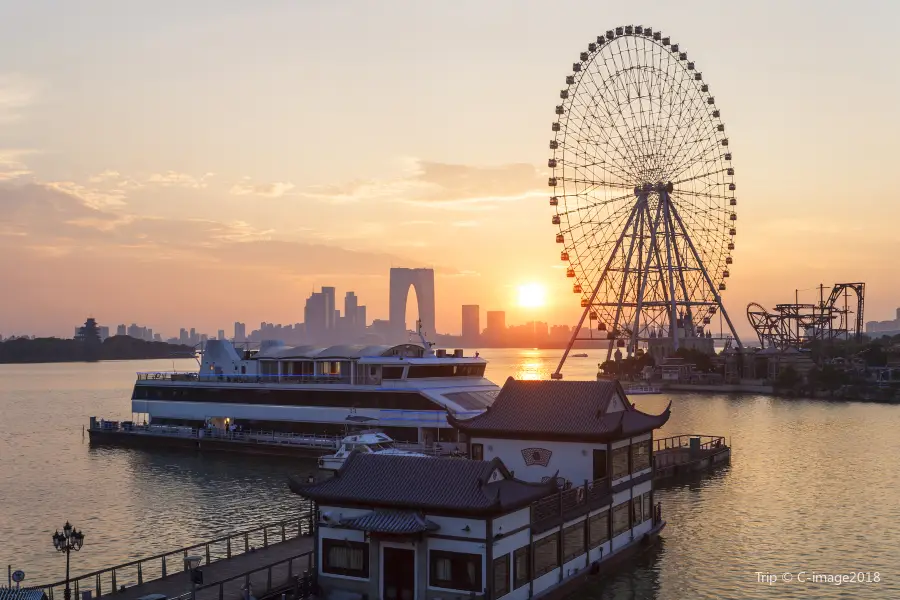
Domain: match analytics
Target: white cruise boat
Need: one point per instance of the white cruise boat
(366, 443)
(405, 391)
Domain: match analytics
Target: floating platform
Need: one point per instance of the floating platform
(683, 455)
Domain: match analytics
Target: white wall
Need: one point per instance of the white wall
(512, 521)
(574, 461)
(456, 527)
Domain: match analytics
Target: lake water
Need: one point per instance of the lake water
(813, 487)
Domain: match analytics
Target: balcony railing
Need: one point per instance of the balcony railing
(571, 502)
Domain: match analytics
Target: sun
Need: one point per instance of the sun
(531, 295)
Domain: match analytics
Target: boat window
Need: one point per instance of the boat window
(636, 518)
(323, 396)
(392, 372)
(647, 506)
(423, 371)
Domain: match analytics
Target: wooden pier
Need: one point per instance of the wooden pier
(680, 455)
(268, 558)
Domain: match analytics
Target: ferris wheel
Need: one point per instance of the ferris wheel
(643, 191)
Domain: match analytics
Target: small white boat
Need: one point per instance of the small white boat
(368, 443)
(641, 388)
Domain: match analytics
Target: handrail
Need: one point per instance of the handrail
(308, 575)
(707, 442)
(304, 523)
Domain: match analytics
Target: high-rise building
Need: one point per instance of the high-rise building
(361, 317)
(104, 332)
(350, 311)
(221, 334)
(470, 322)
(330, 320)
(121, 330)
(240, 331)
(183, 336)
(157, 337)
(496, 321)
(315, 315)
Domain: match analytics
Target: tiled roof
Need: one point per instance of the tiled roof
(21, 594)
(424, 483)
(390, 521)
(560, 409)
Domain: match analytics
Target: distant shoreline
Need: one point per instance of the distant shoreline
(22, 351)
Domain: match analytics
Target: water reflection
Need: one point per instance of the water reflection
(812, 486)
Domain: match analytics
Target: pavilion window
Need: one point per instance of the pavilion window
(621, 518)
(521, 566)
(456, 571)
(598, 529)
(620, 462)
(546, 554)
(573, 541)
(345, 558)
(501, 576)
(636, 518)
(640, 456)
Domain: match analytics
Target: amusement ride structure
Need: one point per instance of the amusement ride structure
(793, 325)
(643, 192)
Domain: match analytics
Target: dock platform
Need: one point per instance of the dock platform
(681, 455)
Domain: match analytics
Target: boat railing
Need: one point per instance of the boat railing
(706, 442)
(158, 566)
(239, 378)
(325, 442)
(567, 502)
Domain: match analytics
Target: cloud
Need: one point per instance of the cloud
(269, 190)
(16, 93)
(92, 197)
(442, 185)
(11, 167)
(176, 179)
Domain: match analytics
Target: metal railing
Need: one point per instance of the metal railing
(707, 442)
(158, 566)
(303, 583)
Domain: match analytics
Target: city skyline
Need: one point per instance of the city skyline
(130, 163)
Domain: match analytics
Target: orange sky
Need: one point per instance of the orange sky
(177, 167)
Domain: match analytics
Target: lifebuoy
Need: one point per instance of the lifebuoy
(579, 496)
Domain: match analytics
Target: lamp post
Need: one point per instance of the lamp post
(70, 539)
(193, 564)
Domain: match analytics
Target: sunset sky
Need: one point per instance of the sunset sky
(189, 164)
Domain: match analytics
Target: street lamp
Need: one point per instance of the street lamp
(193, 563)
(70, 539)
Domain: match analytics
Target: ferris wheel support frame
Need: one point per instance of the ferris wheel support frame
(666, 212)
(558, 373)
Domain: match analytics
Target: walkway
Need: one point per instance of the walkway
(227, 576)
